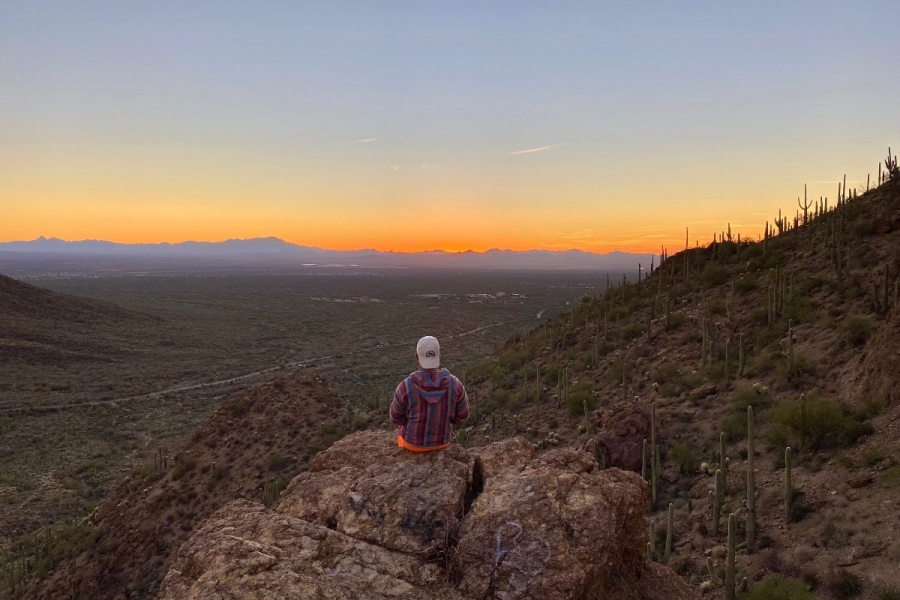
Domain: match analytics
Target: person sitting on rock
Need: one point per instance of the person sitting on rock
(428, 402)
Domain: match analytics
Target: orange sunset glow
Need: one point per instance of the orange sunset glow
(455, 138)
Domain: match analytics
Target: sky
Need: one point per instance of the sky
(437, 125)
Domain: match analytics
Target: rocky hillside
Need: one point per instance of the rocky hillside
(803, 328)
(369, 520)
(250, 448)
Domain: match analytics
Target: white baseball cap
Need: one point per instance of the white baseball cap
(429, 352)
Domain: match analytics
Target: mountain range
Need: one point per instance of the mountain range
(278, 249)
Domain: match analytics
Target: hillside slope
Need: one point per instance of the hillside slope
(43, 328)
(803, 328)
(250, 448)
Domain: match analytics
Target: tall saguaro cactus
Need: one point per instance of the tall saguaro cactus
(751, 483)
(788, 489)
(718, 500)
(669, 527)
(729, 558)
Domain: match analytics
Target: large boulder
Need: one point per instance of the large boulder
(552, 532)
(371, 521)
(367, 487)
(245, 551)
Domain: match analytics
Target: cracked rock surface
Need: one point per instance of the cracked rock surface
(369, 520)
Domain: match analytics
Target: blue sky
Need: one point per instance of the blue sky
(138, 120)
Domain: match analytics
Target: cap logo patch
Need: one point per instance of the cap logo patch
(430, 354)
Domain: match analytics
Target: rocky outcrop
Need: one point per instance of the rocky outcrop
(621, 431)
(369, 520)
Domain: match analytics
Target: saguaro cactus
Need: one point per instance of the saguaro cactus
(718, 500)
(751, 483)
(788, 490)
(729, 558)
(669, 527)
(644, 461)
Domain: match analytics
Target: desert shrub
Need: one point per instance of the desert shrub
(277, 462)
(216, 475)
(892, 476)
(815, 424)
(551, 373)
(864, 227)
(664, 373)
(620, 369)
(799, 309)
(634, 330)
(513, 359)
(672, 382)
(873, 456)
(745, 284)
(685, 458)
(760, 315)
(762, 364)
(717, 306)
(241, 406)
(800, 372)
(692, 337)
(331, 432)
(844, 585)
(755, 396)
(183, 465)
(715, 274)
(858, 328)
(579, 394)
(832, 537)
(888, 593)
(676, 320)
(870, 408)
(776, 587)
(734, 425)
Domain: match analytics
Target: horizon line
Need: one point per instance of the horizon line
(356, 249)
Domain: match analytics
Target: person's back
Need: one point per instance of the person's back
(428, 402)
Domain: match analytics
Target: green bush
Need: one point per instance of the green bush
(634, 330)
(888, 593)
(799, 309)
(892, 476)
(579, 394)
(873, 456)
(800, 373)
(870, 408)
(776, 587)
(734, 426)
(715, 274)
(183, 465)
(676, 320)
(845, 585)
(685, 458)
(745, 284)
(672, 383)
(815, 424)
(858, 328)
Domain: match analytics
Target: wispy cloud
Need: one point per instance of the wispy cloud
(365, 141)
(578, 235)
(395, 167)
(538, 149)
